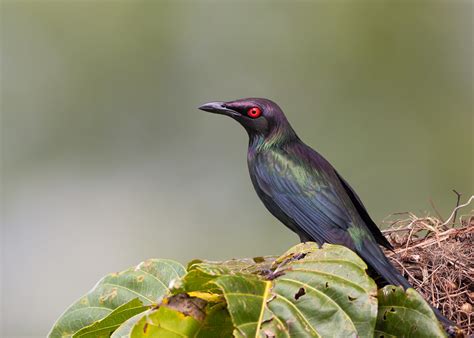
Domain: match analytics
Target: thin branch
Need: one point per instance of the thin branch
(453, 214)
(457, 205)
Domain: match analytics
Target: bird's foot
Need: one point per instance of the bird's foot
(272, 274)
(281, 268)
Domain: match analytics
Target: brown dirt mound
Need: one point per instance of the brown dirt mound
(437, 258)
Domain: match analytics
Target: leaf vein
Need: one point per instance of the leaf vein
(302, 316)
(325, 296)
(130, 290)
(348, 281)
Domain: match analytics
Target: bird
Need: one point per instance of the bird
(304, 191)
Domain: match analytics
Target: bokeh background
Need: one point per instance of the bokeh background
(106, 161)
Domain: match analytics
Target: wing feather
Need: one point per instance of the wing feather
(306, 197)
(374, 229)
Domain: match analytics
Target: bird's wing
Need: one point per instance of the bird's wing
(308, 190)
(309, 196)
(374, 229)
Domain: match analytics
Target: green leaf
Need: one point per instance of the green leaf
(166, 323)
(149, 282)
(306, 291)
(237, 280)
(125, 330)
(405, 313)
(104, 327)
(217, 324)
(169, 322)
(322, 292)
(246, 299)
(201, 274)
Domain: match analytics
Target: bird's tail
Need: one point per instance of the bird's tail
(384, 273)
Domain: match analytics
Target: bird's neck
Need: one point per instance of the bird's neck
(277, 138)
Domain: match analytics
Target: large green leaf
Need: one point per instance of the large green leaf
(405, 314)
(149, 282)
(246, 298)
(327, 291)
(321, 292)
(306, 292)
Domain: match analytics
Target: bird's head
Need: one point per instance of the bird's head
(260, 117)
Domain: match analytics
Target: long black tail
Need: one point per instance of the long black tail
(384, 273)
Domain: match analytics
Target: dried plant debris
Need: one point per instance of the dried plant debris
(437, 257)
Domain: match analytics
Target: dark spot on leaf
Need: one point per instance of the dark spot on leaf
(301, 292)
(145, 328)
(381, 336)
(258, 259)
(393, 290)
(385, 315)
(351, 298)
(327, 284)
(189, 306)
(392, 310)
(267, 321)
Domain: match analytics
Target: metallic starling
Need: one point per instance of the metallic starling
(303, 190)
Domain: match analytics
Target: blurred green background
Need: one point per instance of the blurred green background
(106, 161)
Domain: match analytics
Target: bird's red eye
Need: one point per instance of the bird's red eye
(254, 112)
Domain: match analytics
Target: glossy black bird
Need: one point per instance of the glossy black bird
(303, 190)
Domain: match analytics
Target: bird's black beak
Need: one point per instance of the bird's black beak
(218, 108)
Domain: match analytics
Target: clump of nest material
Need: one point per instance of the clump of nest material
(437, 258)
